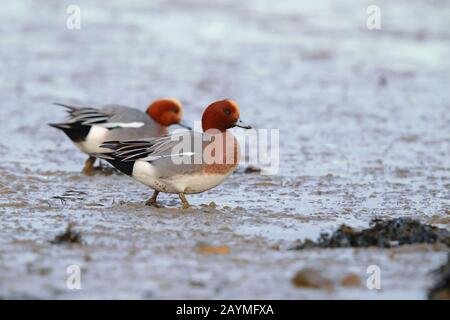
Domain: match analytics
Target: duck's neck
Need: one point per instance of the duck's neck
(222, 152)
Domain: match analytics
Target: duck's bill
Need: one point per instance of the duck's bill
(242, 124)
(184, 124)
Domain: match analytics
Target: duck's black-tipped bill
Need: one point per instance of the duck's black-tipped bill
(184, 124)
(242, 125)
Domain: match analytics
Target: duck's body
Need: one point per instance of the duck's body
(159, 167)
(186, 163)
(117, 123)
(89, 127)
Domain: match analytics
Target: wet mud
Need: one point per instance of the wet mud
(363, 119)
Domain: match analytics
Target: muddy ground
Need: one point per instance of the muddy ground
(364, 133)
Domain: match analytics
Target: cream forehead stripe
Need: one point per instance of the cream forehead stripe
(176, 101)
(233, 103)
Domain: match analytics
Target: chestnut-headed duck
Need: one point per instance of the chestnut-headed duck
(89, 127)
(186, 162)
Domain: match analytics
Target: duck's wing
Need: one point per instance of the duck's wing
(173, 145)
(84, 115)
(88, 116)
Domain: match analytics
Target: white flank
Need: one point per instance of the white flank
(97, 135)
(147, 174)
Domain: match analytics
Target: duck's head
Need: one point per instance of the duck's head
(222, 115)
(167, 112)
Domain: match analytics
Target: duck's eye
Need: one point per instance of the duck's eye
(228, 112)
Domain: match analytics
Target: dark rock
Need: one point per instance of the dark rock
(351, 280)
(311, 278)
(441, 290)
(252, 169)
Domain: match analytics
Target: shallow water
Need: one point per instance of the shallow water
(364, 132)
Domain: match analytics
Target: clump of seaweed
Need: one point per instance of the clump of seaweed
(383, 234)
(69, 236)
(252, 169)
(441, 290)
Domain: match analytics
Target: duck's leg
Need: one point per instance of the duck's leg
(186, 204)
(152, 201)
(88, 168)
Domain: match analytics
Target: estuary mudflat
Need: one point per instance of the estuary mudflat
(364, 133)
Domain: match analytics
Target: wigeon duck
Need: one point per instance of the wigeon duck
(89, 127)
(186, 162)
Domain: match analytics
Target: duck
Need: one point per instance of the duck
(181, 163)
(88, 127)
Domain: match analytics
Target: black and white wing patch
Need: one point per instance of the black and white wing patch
(144, 150)
(84, 116)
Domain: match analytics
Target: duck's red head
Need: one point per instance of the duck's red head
(222, 115)
(167, 112)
